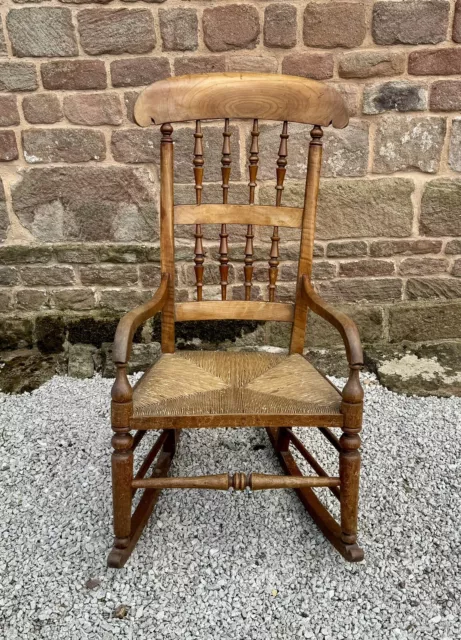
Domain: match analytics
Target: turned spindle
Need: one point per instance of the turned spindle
(223, 246)
(253, 171)
(198, 175)
(275, 238)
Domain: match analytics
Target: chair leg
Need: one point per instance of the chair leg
(340, 536)
(349, 473)
(122, 476)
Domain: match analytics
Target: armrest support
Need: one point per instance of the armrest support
(130, 322)
(346, 327)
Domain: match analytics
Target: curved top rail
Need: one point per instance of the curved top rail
(265, 96)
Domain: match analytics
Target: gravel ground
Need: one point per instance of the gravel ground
(227, 566)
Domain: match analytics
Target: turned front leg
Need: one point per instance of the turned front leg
(349, 456)
(122, 475)
(349, 474)
(122, 457)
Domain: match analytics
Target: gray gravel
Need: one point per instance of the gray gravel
(226, 566)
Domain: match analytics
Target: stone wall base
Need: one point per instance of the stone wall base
(397, 347)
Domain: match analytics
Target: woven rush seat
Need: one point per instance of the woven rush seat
(217, 383)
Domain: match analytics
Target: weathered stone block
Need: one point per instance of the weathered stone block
(142, 357)
(3, 49)
(87, 204)
(234, 26)
(446, 95)
(136, 145)
(8, 146)
(280, 26)
(74, 74)
(43, 108)
(361, 290)
(350, 248)
(410, 22)
(4, 220)
(406, 143)
(345, 207)
(9, 276)
(27, 369)
(345, 150)
(454, 157)
(440, 207)
(334, 24)
(136, 72)
(199, 64)
(387, 248)
(317, 66)
(122, 299)
(398, 95)
(422, 266)
(252, 64)
(81, 361)
(179, 29)
(362, 268)
(41, 31)
(116, 31)
(18, 76)
(435, 62)
(94, 330)
(150, 275)
(23, 254)
(9, 114)
(453, 247)
(16, 333)
(125, 253)
(456, 270)
(366, 64)
(75, 299)
(322, 270)
(109, 274)
(62, 145)
(457, 22)
(93, 109)
(31, 299)
(47, 275)
(417, 323)
(426, 288)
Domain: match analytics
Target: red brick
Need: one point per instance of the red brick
(74, 74)
(280, 26)
(8, 146)
(335, 24)
(318, 66)
(234, 26)
(446, 95)
(435, 62)
(137, 72)
(9, 114)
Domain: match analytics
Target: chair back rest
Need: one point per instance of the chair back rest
(240, 96)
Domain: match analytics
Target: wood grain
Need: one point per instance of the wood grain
(238, 214)
(234, 310)
(240, 95)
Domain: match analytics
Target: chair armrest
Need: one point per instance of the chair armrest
(130, 322)
(346, 327)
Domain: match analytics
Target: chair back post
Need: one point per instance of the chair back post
(314, 165)
(167, 233)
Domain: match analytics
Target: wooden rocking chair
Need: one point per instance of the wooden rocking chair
(186, 389)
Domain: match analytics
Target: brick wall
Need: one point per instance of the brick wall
(79, 203)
